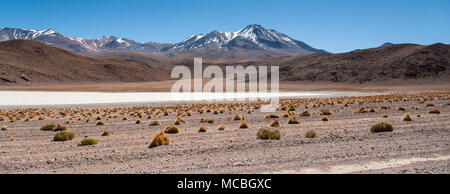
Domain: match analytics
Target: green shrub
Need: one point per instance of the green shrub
(268, 134)
(310, 134)
(48, 127)
(63, 136)
(85, 142)
(382, 127)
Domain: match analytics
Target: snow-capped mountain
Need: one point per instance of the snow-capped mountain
(80, 45)
(252, 37)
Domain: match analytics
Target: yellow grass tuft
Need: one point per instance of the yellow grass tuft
(434, 111)
(154, 123)
(222, 127)
(293, 120)
(238, 118)
(179, 121)
(305, 113)
(325, 118)
(203, 129)
(275, 123)
(60, 128)
(326, 112)
(361, 110)
(4, 128)
(406, 117)
(107, 133)
(138, 121)
(159, 140)
(172, 129)
(273, 116)
(286, 114)
(243, 125)
(100, 122)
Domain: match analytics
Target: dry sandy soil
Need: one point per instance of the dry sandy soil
(344, 144)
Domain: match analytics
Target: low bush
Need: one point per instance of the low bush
(382, 127)
(325, 118)
(266, 134)
(86, 142)
(63, 136)
(310, 134)
(4, 128)
(48, 127)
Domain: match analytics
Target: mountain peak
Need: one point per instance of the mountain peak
(251, 37)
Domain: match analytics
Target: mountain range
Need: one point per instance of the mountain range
(32, 63)
(252, 38)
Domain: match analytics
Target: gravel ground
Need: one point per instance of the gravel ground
(344, 144)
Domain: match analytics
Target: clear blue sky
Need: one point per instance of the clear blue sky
(333, 25)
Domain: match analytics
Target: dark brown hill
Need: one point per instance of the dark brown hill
(26, 62)
(383, 64)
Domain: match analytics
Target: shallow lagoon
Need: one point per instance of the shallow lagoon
(21, 98)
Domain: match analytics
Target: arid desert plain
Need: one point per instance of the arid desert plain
(343, 141)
